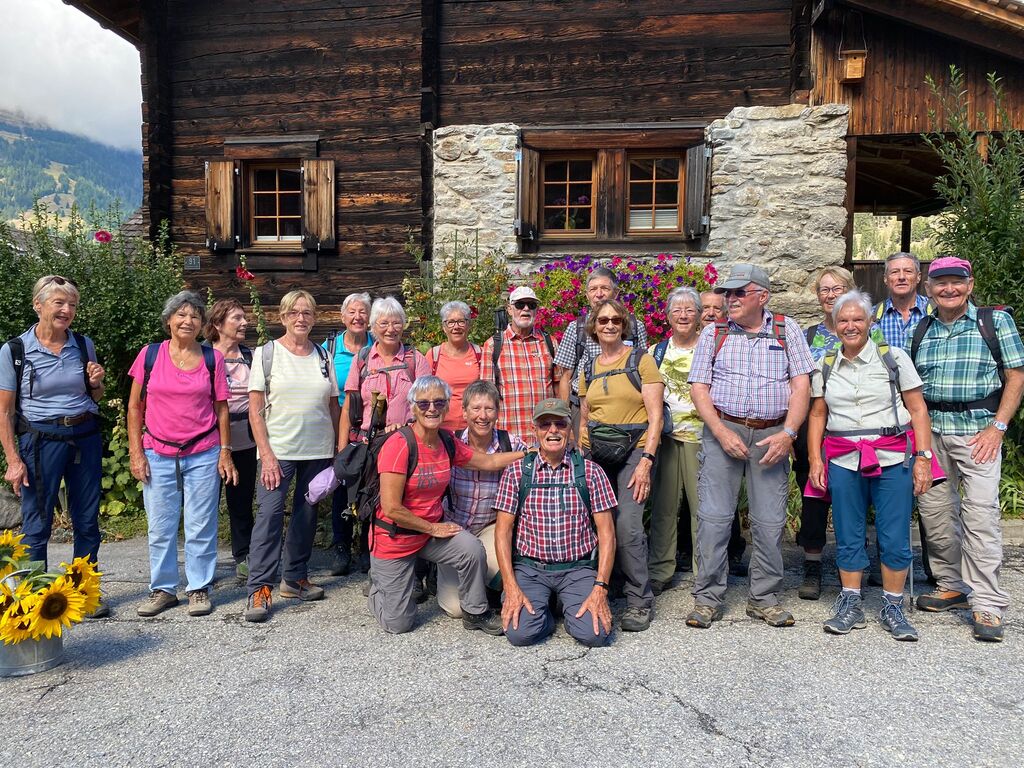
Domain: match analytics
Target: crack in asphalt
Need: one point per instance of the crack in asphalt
(48, 689)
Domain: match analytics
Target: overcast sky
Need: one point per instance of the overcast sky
(58, 64)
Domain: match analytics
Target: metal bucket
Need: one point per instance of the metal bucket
(31, 656)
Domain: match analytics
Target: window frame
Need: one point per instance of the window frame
(250, 240)
(680, 207)
(568, 157)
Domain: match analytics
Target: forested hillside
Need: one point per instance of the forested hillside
(60, 169)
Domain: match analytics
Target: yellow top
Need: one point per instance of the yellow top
(613, 399)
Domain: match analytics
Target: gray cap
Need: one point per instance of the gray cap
(742, 275)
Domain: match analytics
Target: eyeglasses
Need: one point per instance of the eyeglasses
(687, 311)
(835, 290)
(305, 314)
(741, 293)
(545, 424)
(425, 405)
(611, 320)
(456, 323)
(385, 324)
(525, 304)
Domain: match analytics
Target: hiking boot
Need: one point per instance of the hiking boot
(487, 622)
(737, 567)
(988, 627)
(702, 615)
(937, 601)
(810, 587)
(101, 612)
(242, 571)
(635, 619)
(772, 615)
(199, 603)
(419, 591)
(657, 587)
(158, 602)
(894, 620)
(847, 614)
(303, 589)
(258, 608)
(684, 562)
(341, 561)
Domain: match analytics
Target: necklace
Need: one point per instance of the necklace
(182, 359)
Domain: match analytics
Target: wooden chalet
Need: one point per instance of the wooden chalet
(308, 135)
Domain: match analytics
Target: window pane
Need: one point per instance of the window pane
(668, 168)
(266, 229)
(291, 205)
(640, 218)
(554, 194)
(554, 219)
(579, 218)
(580, 170)
(579, 194)
(556, 171)
(666, 193)
(641, 169)
(265, 179)
(666, 218)
(266, 205)
(288, 179)
(291, 228)
(640, 194)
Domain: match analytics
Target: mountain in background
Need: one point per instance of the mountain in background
(61, 169)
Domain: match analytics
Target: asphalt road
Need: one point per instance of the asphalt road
(321, 685)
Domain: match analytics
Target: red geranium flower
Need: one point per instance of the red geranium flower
(244, 274)
(473, 312)
(102, 236)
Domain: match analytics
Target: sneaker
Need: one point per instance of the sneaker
(199, 603)
(772, 615)
(810, 587)
(737, 567)
(303, 589)
(258, 608)
(341, 560)
(635, 619)
(988, 627)
(847, 614)
(702, 615)
(487, 622)
(159, 601)
(937, 601)
(894, 620)
(242, 571)
(101, 612)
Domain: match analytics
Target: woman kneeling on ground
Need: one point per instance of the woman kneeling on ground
(869, 421)
(407, 522)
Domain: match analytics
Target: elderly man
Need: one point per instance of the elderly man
(519, 359)
(972, 363)
(713, 308)
(576, 348)
(750, 384)
(905, 306)
(554, 510)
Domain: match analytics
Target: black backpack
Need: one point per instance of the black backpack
(632, 372)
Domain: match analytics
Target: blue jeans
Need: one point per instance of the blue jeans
(572, 587)
(79, 464)
(892, 494)
(164, 504)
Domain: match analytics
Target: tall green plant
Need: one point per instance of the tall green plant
(985, 219)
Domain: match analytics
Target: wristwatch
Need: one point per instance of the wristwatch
(648, 456)
(791, 432)
(1001, 426)
(924, 455)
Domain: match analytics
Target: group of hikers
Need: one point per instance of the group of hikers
(511, 479)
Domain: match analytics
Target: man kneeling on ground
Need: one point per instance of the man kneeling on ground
(554, 510)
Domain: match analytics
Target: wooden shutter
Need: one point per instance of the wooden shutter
(528, 217)
(221, 208)
(696, 219)
(318, 205)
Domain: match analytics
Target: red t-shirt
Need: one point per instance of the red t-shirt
(423, 490)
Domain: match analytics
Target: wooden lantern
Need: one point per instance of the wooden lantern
(852, 64)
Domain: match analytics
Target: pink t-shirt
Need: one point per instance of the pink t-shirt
(423, 491)
(178, 405)
(459, 373)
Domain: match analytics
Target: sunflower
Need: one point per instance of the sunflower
(16, 621)
(11, 551)
(85, 578)
(58, 605)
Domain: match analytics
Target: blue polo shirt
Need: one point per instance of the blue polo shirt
(343, 361)
(51, 385)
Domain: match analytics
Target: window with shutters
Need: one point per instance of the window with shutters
(274, 203)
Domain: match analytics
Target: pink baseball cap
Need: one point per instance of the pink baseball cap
(949, 266)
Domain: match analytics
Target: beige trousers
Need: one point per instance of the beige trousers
(448, 579)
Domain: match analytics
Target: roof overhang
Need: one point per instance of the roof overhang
(119, 16)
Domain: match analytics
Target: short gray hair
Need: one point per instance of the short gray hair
(859, 298)
(388, 306)
(600, 271)
(455, 306)
(179, 300)
(902, 255)
(684, 293)
(424, 384)
(362, 298)
(480, 388)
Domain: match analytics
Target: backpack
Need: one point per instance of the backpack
(879, 310)
(987, 328)
(355, 409)
(368, 497)
(268, 364)
(632, 372)
(504, 440)
(500, 324)
(17, 347)
(722, 333)
(435, 357)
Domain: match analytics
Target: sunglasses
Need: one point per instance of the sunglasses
(742, 293)
(58, 280)
(525, 304)
(425, 405)
(611, 320)
(545, 424)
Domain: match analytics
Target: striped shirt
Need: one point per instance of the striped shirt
(955, 363)
(526, 379)
(893, 328)
(750, 376)
(473, 490)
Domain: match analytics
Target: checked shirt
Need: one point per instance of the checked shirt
(554, 526)
(956, 366)
(526, 379)
(893, 328)
(473, 490)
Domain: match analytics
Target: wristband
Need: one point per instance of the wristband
(602, 584)
(791, 432)
(648, 456)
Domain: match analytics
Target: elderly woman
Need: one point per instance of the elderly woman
(355, 316)
(621, 408)
(457, 360)
(473, 491)
(293, 412)
(828, 286)
(415, 471)
(677, 463)
(869, 443)
(225, 330)
(50, 383)
(179, 442)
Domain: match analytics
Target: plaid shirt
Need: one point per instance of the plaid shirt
(526, 379)
(554, 525)
(565, 357)
(473, 490)
(750, 377)
(955, 363)
(893, 328)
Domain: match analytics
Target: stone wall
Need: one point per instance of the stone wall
(778, 192)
